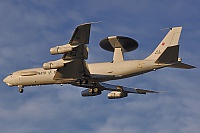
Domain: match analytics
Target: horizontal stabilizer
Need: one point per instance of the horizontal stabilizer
(182, 66)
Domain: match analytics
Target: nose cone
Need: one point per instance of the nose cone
(7, 80)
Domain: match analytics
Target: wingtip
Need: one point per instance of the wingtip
(162, 91)
(94, 22)
(170, 28)
(193, 67)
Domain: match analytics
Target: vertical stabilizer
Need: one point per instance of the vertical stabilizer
(168, 49)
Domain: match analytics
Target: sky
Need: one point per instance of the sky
(28, 29)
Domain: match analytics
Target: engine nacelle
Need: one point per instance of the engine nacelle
(61, 49)
(116, 95)
(53, 65)
(91, 92)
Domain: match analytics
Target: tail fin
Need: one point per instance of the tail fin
(168, 49)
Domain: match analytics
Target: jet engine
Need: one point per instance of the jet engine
(91, 92)
(116, 95)
(53, 65)
(61, 49)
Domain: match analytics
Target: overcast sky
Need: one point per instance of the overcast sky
(28, 29)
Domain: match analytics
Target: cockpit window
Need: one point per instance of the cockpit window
(11, 74)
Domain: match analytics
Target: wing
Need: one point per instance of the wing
(125, 89)
(116, 91)
(72, 65)
(77, 68)
(81, 34)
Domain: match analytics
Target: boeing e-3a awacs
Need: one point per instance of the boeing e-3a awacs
(73, 69)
